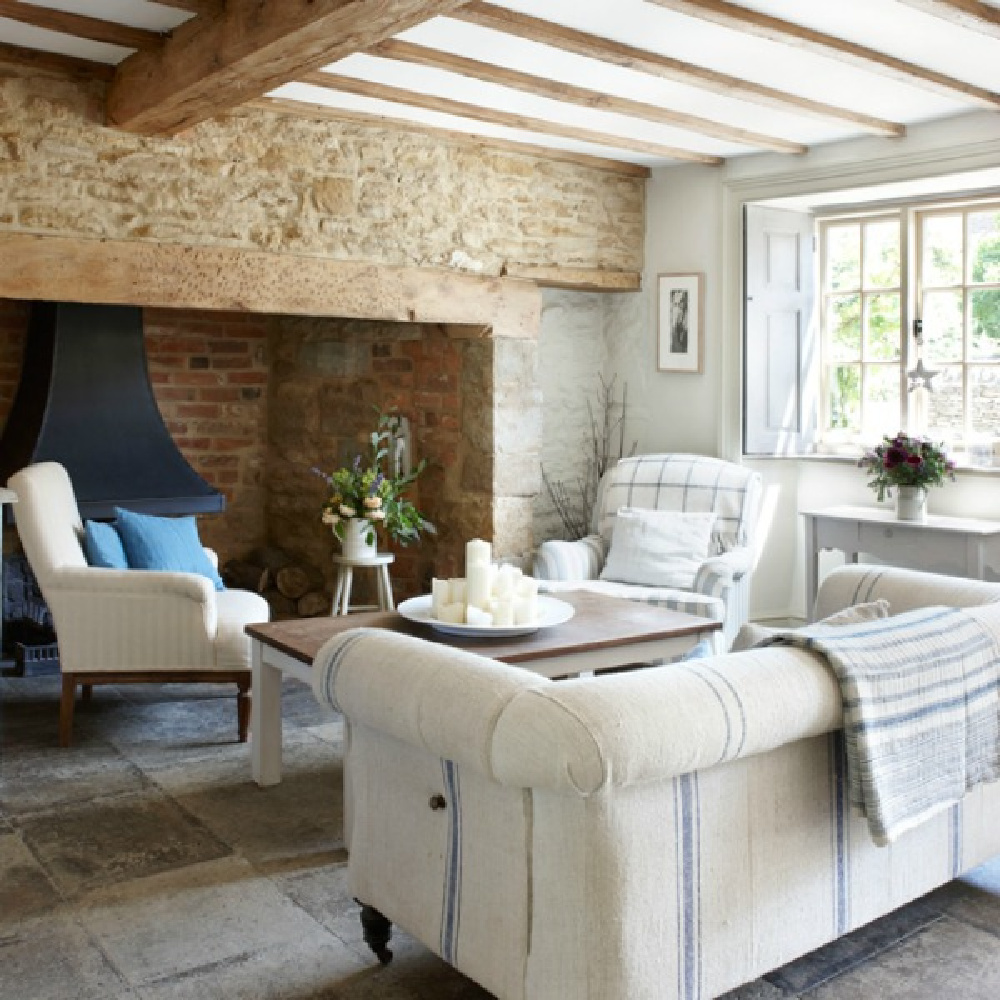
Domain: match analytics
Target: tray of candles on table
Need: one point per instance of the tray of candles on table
(490, 601)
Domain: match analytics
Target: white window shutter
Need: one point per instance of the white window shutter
(780, 334)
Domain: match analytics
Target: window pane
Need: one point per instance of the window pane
(985, 324)
(943, 326)
(844, 326)
(883, 327)
(882, 254)
(944, 405)
(843, 257)
(844, 387)
(984, 400)
(984, 246)
(882, 408)
(942, 242)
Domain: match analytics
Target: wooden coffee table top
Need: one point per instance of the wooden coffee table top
(599, 623)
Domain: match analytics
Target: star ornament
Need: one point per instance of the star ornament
(920, 377)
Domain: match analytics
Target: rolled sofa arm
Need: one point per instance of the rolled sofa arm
(567, 561)
(444, 700)
(576, 736)
(109, 619)
(904, 589)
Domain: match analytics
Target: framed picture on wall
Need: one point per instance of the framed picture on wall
(680, 327)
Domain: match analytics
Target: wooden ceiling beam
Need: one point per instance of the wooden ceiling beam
(580, 96)
(79, 26)
(219, 60)
(642, 61)
(971, 14)
(323, 112)
(774, 29)
(508, 119)
(55, 62)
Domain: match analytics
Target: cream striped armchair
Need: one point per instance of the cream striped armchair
(127, 626)
(669, 482)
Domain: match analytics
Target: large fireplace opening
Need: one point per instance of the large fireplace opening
(254, 401)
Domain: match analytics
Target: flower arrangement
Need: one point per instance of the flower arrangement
(906, 461)
(366, 490)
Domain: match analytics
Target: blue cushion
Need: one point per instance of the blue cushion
(699, 651)
(165, 543)
(102, 545)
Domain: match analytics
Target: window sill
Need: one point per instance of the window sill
(834, 458)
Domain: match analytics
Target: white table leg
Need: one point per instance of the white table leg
(345, 598)
(265, 716)
(338, 592)
(812, 566)
(975, 558)
(385, 589)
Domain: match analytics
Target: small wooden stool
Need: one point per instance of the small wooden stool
(345, 574)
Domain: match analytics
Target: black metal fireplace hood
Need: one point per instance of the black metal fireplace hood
(85, 400)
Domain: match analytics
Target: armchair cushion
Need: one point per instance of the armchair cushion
(688, 483)
(658, 548)
(102, 545)
(753, 634)
(164, 543)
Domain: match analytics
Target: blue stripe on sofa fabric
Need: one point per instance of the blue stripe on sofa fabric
(164, 543)
(102, 545)
(451, 912)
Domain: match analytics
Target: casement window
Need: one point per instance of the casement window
(958, 302)
(849, 318)
(861, 345)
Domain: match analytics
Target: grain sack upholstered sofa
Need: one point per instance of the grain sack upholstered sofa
(659, 492)
(119, 626)
(666, 833)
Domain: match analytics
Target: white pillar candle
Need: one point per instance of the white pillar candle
(440, 596)
(476, 616)
(477, 553)
(506, 581)
(456, 590)
(503, 612)
(477, 585)
(526, 602)
(453, 614)
(477, 572)
(526, 611)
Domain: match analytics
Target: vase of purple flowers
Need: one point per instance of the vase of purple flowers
(907, 465)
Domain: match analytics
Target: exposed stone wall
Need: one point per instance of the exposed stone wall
(264, 180)
(572, 360)
(209, 376)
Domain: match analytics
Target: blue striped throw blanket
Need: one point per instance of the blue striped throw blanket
(921, 697)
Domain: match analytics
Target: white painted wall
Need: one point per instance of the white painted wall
(694, 224)
(572, 357)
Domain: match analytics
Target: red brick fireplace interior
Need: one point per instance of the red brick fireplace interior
(255, 401)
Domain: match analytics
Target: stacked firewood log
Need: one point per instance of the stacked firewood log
(291, 587)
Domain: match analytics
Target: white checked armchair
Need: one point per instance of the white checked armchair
(127, 626)
(669, 482)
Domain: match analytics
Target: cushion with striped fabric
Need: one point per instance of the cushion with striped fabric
(679, 482)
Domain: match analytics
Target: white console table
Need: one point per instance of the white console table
(958, 543)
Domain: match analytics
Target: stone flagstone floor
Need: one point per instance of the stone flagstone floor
(144, 864)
